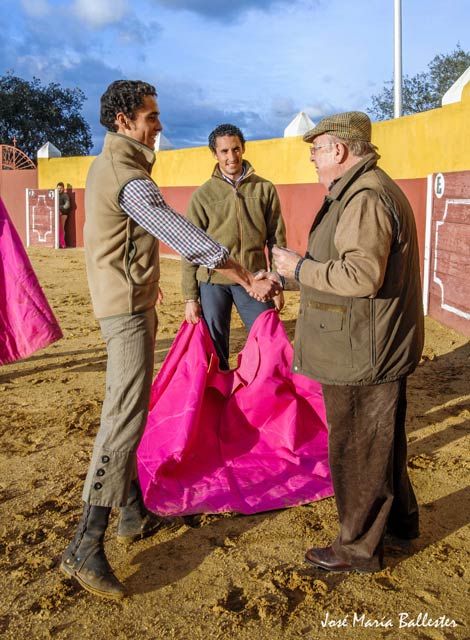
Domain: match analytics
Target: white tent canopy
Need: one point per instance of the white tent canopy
(299, 125)
(162, 143)
(48, 150)
(454, 94)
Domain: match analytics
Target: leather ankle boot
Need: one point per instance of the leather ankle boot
(85, 559)
(136, 521)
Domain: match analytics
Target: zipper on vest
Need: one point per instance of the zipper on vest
(130, 255)
(239, 220)
(372, 332)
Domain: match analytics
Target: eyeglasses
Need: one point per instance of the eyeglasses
(314, 149)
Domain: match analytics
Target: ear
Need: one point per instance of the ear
(341, 152)
(122, 121)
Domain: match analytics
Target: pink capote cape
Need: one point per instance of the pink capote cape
(246, 440)
(26, 319)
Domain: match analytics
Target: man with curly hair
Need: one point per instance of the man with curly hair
(126, 216)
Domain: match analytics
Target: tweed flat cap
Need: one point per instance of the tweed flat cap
(352, 125)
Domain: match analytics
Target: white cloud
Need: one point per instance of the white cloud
(100, 13)
(36, 8)
(259, 65)
(283, 107)
(321, 109)
(217, 10)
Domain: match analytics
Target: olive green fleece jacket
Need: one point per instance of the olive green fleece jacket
(361, 317)
(246, 219)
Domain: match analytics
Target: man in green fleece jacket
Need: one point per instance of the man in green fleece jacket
(241, 211)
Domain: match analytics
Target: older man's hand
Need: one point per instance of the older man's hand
(286, 261)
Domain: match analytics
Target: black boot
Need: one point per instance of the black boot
(136, 521)
(85, 560)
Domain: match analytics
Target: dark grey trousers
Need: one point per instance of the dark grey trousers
(130, 344)
(368, 461)
(216, 302)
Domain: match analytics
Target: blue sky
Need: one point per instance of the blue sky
(255, 63)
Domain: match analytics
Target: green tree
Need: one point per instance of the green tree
(34, 114)
(424, 90)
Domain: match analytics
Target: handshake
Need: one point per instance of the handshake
(263, 285)
(267, 285)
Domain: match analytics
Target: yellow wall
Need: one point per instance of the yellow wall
(71, 171)
(428, 142)
(281, 160)
(410, 147)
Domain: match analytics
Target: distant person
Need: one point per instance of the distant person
(126, 216)
(64, 210)
(242, 211)
(360, 333)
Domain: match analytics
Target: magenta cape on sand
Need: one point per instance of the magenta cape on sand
(26, 319)
(246, 440)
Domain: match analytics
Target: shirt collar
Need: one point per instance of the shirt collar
(234, 183)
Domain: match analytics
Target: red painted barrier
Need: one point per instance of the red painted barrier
(445, 268)
(42, 218)
(449, 250)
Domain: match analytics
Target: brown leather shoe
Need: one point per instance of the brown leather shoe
(327, 560)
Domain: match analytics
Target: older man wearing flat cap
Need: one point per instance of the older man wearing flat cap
(360, 333)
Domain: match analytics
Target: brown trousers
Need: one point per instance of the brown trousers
(368, 461)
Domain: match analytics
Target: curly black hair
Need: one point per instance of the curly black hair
(125, 96)
(224, 130)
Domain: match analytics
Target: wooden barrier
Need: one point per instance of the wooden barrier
(42, 218)
(447, 260)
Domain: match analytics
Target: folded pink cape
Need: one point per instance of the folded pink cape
(247, 440)
(26, 319)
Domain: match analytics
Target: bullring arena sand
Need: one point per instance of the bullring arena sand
(224, 576)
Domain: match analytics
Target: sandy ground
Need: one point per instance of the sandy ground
(226, 577)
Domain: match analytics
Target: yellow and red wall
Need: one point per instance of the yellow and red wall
(412, 148)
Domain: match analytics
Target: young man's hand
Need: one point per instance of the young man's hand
(193, 311)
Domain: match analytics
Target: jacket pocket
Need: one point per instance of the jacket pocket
(131, 251)
(140, 265)
(325, 338)
(327, 317)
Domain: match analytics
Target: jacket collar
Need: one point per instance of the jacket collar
(338, 187)
(216, 173)
(131, 149)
